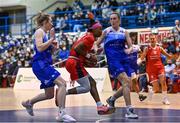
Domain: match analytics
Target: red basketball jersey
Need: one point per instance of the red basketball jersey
(88, 41)
(153, 59)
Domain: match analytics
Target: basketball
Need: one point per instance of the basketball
(91, 62)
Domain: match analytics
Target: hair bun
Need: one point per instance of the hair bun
(90, 15)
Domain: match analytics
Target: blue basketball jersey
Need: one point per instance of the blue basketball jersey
(114, 46)
(133, 61)
(41, 66)
(114, 43)
(44, 55)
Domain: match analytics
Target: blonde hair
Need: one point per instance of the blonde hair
(41, 17)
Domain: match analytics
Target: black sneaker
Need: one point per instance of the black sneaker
(142, 97)
(110, 102)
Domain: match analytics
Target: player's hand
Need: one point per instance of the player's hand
(129, 50)
(55, 44)
(52, 33)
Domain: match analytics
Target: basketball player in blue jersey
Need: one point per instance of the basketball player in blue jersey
(41, 66)
(134, 69)
(115, 38)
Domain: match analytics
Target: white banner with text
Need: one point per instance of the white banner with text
(27, 80)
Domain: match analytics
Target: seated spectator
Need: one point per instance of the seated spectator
(57, 13)
(1, 72)
(171, 48)
(10, 74)
(78, 3)
(78, 25)
(177, 71)
(105, 9)
(60, 24)
(113, 4)
(162, 13)
(63, 53)
(153, 16)
(94, 6)
(169, 69)
(140, 19)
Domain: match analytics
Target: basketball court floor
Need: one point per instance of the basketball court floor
(83, 108)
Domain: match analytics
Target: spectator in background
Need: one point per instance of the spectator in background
(169, 69)
(177, 71)
(60, 24)
(94, 7)
(10, 74)
(64, 53)
(176, 31)
(140, 19)
(63, 38)
(113, 4)
(19, 65)
(153, 16)
(171, 48)
(4, 71)
(77, 24)
(78, 3)
(1, 72)
(162, 13)
(57, 13)
(105, 9)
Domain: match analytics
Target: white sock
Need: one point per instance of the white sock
(164, 93)
(150, 88)
(61, 110)
(128, 107)
(99, 103)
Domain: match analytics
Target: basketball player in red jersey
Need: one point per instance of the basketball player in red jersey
(155, 67)
(79, 57)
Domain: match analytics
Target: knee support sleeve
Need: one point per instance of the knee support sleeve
(84, 85)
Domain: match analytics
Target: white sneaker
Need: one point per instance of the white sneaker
(29, 107)
(63, 117)
(166, 101)
(150, 93)
(130, 114)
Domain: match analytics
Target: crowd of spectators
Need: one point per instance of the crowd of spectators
(152, 12)
(15, 53)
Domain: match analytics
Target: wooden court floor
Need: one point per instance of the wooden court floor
(83, 108)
